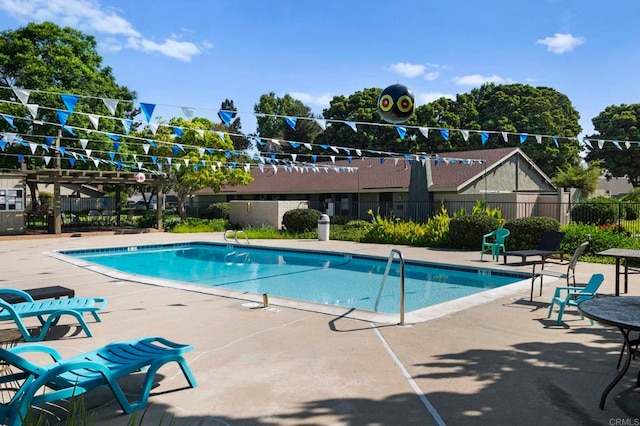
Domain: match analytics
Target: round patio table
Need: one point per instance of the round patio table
(623, 313)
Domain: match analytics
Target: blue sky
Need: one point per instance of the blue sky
(196, 53)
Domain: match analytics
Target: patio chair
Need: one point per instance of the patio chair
(52, 309)
(66, 378)
(548, 245)
(569, 274)
(574, 295)
(495, 241)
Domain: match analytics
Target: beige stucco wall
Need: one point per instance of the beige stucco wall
(12, 221)
(262, 213)
(513, 175)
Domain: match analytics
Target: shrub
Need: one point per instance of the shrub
(596, 211)
(301, 220)
(437, 229)
(465, 232)
(354, 224)
(194, 224)
(600, 239)
(216, 211)
(526, 232)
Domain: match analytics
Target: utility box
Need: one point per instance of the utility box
(323, 227)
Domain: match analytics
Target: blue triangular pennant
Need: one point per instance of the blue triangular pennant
(127, 126)
(227, 153)
(225, 116)
(20, 158)
(69, 101)
(3, 145)
(402, 131)
(349, 160)
(555, 140)
(523, 137)
(9, 119)
(324, 146)
(72, 161)
(294, 144)
(113, 137)
(116, 145)
(175, 149)
(154, 159)
(112, 155)
(63, 116)
(291, 121)
(445, 134)
(314, 158)
(62, 150)
(485, 137)
(147, 110)
(70, 130)
(177, 131)
(49, 140)
(119, 164)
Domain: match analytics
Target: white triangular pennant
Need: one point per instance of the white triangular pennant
(465, 134)
(627, 144)
(294, 156)
(505, 136)
(33, 147)
(88, 152)
(247, 168)
(83, 143)
(146, 147)
(22, 94)
(153, 127)
(322, 123)
(186, 162)
(201, 151)
(424, 131)
(333, 158)
(600, 143)
(47, 159)
(96, 161)
(33, 110)
(169, 159)
(539, 138)
(308, 146)
(275, 169)
(359, 153)
(188, 112)
(94, 119)
(139, 164)
(111, 105)
(275, 141)
(200, 132)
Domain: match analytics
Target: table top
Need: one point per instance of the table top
(619, 311)
(619, 252)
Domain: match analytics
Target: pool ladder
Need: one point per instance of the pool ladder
(392, 256)
(235, 235)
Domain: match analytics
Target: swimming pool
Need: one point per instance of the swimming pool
(328, 278)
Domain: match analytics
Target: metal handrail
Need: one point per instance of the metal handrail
(235, 235)
(386, 276)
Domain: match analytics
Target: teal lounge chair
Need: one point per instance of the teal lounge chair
(48, 312)
(495, 241)
(66, 378)
(574, 296)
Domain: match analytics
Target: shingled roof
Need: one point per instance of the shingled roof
(372, 174)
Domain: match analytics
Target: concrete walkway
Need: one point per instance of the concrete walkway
(498, 362)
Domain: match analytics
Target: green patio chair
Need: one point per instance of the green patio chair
(575, 295)
(495, 242)
(66, 378)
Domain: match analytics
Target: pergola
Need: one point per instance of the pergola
(57, 177)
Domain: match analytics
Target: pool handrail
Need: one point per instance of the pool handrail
(386, 276)
(235, 235)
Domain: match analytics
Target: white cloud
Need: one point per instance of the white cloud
(322, 100)
(479, 80)
(88, 16)
(561, 43)
(408, 70)
(425, 98)
(431, 75)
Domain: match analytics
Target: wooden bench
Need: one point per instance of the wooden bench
(51, 292)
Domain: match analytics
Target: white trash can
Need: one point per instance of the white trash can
(323, 227)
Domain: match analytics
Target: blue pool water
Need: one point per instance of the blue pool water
(320, 277)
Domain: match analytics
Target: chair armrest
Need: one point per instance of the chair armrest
(20, 349)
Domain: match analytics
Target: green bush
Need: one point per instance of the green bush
(352, 224)
(600, 239)
(596, 211)
(216, 211)
(301, 220)
(526, 232)
(437, 229)
(465, 232)
(194, 224)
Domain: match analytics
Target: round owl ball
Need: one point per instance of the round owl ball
(140, 177)
(396, 104)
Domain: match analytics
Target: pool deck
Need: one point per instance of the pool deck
(497, 361)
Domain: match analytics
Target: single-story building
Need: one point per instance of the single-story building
(411, 187)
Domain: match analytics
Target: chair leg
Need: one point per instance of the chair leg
(559, 320)
(551, 308)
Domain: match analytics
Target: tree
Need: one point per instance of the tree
(272, 124)
(235, 126)
(203, 163)
(618, 123)
(584, 178)
(361, 106)
(513, 108)
(48, 58)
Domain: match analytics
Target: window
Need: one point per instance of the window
(11, 199)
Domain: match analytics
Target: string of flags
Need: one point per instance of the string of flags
(147, 109)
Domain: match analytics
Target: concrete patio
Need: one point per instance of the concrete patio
(498, 362)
